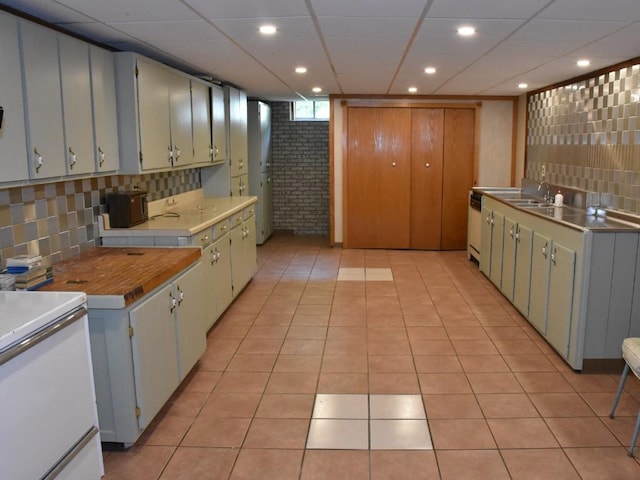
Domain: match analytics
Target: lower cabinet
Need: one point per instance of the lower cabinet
(243, 250)
(140, 354)
(217, 258)
(578, 288)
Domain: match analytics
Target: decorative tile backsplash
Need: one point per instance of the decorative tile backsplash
(587, 134)
(58, 220)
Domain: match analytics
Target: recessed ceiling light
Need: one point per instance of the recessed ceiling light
(430, 70)
(301, 69)
(412, 89)
(523, 85)
(316, 89)
(583, 63)
(267, 29)
(466, 31)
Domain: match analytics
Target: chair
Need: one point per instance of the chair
(631, 356)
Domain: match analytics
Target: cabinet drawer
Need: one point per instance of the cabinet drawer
(236, 220)
(249, 212)
(220, 229)
(204, 238)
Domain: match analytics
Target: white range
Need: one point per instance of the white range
(48, 416)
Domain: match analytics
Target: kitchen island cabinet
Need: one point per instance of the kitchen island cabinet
(576, 286)
(147, 328)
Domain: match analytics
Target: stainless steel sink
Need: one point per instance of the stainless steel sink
(527, 202)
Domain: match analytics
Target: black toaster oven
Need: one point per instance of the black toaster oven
(127, 209)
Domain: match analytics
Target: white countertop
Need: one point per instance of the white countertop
(190, 215)
(22, 313)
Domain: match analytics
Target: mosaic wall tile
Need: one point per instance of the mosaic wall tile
(58, 220)
(587, 134)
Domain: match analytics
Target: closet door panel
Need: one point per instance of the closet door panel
(457, 177)
(378, 178)
(426, 177)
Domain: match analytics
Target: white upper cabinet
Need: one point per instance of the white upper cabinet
(238, 148)
(201, 110)
(105, 122)
(218, 128)
(76, 102)
(13, 164)
(43, 101)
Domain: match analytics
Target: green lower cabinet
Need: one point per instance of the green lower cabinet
(539, 291)
(561, 280)
(522, 281)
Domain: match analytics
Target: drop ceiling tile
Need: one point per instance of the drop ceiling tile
(247, 28)
(97, 31)
(616, 10)
(485, 8)
(47, 10)
(248, 8)
(565, 30)
(164, 33)
(367, 27)
(132, 10)
(488, 31)
(368, 8)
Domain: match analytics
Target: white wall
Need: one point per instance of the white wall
(494, 156)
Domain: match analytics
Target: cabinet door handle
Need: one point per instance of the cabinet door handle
(553, 256)
(101, 156)
(178, 153)
(170, 154)
(544, 250)
(511, 233)
(216, 150)
(181, 295)
(73, 158)
(205, 239)
(174, 302)
(38, 159)
(393, 164)
(427, 165)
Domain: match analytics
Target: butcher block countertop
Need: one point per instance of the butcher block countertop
(115, 277)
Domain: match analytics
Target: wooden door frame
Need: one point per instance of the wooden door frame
(379, 103)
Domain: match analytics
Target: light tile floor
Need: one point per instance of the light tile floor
(500, 404)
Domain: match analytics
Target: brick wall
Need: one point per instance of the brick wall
(300, 158)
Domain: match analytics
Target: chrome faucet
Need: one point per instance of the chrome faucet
(547, 196)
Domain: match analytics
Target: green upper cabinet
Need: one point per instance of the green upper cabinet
(105, 122)
(13, 164)
(161, 125)
(43, 101)
(75, 76)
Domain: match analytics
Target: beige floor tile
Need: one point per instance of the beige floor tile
(292, 383)
(341, 406)
(334, 464)
(506, 405)
(251, 363)
(543, 464)
(601, 463)
(343, 383)
(197, 463)
(230, 405)
(401, 464)
(461, 434)
(267, 464)
(285, 433)
(137, 463)
(285, 405)
(399, 435)
(396, 407)
(521, 433)
(468, 464)
(216, 432)
(561, 405)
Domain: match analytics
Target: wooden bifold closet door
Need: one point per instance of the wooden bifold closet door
(408, 173)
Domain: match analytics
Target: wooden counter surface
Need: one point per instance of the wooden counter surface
(129, 272)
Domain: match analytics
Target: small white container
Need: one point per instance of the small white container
(559, 199)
